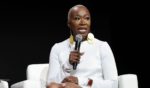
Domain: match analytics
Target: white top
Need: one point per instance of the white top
(97, 63)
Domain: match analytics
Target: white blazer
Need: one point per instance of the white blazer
(97, 63)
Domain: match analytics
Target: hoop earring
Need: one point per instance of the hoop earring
(90, 38)
(71, 38)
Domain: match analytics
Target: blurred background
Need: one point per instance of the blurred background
(28, 30)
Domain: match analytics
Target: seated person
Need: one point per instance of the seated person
(94, 62)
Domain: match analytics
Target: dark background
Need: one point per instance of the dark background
(29, 29)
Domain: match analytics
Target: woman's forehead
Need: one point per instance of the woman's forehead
(79, 11)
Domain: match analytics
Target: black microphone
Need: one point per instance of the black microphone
(78, 40)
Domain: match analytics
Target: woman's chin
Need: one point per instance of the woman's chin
(84, 37)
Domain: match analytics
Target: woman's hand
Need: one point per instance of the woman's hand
(55, 85)
(71, 79)
(63, 85)
(74, 57)
(71, 85)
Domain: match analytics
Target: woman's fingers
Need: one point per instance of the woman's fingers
(81, 53)
(75, 56)
(71, 79)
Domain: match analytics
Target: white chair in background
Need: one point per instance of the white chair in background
(37, 77)
(3, 84)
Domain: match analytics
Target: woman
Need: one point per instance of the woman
(96, 67)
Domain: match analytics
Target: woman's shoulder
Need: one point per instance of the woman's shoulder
(100, 42)
(103, 45)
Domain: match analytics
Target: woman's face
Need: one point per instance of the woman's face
(80, 21)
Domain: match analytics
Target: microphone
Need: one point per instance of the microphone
(78, 40)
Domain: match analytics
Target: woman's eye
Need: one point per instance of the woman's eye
(77, 18)
(87, 18)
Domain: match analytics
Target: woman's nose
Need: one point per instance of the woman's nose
(82, 22)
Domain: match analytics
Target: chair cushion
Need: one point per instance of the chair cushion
(29, 84)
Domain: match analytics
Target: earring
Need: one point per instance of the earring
(90, 38)
(71, 39)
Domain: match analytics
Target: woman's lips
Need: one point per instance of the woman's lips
(82, 30)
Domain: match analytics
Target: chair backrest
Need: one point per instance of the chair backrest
(128, 81)
(3, 84)
(37, 71)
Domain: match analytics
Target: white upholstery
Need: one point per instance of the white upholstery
(28, 84)
(128, 81)
(37, 71)
(3, 84)
(37, 76)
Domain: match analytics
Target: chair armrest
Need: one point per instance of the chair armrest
(3, 84)
(128, 81)
(29, 84)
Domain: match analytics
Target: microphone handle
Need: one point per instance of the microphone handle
(77, 47)
(74, 66)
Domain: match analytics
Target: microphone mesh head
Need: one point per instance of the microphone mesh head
(79, 37)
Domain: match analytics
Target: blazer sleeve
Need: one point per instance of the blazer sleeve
(55, 73)
(109, 70)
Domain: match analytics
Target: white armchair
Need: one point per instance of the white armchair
(3, 84)
(37, 76)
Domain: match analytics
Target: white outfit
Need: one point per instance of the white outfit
(97, 63)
